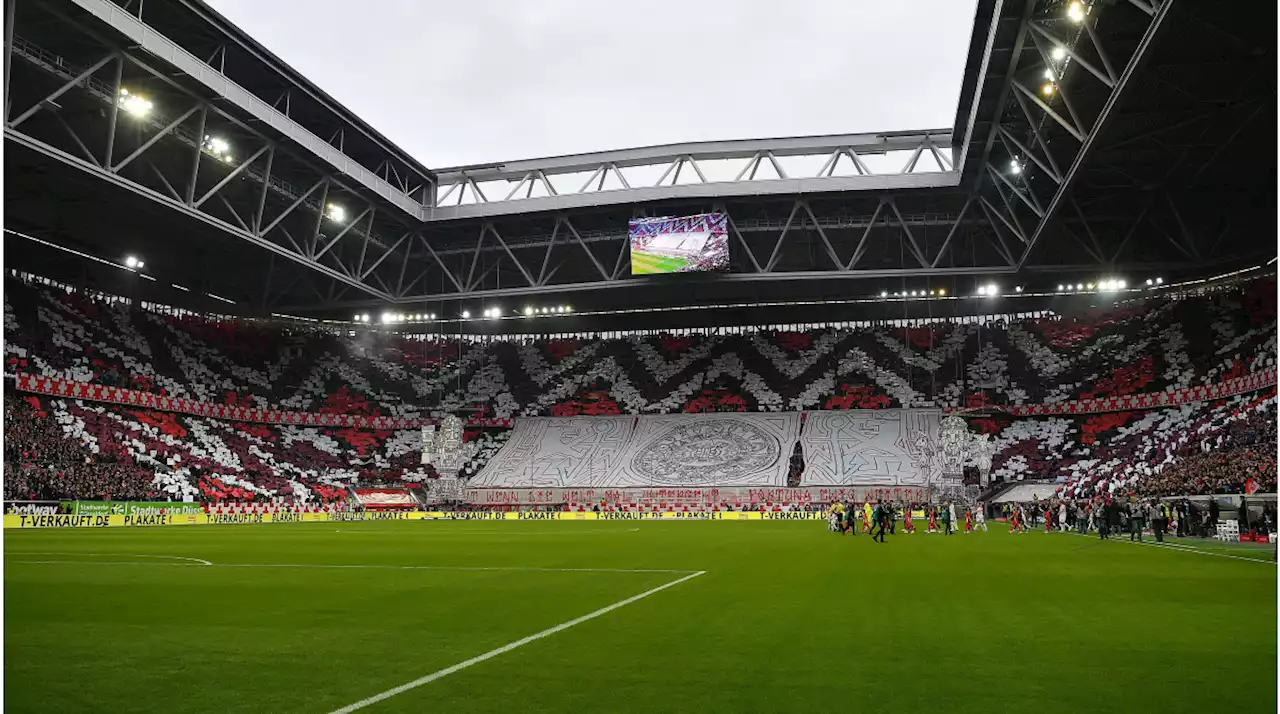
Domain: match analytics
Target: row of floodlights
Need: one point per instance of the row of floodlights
(989, 290)
(557, 310)
(1104, 286)
(492, 313)
(1076, 12)
(389, 318)
(940, 292)
(139, 106)
(993, 290)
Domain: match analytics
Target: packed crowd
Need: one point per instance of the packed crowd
(1210, 447)
(1237, 471)
(67, 449)
(40, 464)
(1156, 345)
(63, 448)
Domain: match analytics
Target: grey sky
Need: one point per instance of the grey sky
(469, 82)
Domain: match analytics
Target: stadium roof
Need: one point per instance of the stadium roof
(1138, 161)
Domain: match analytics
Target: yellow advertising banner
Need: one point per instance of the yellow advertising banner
(27, 521)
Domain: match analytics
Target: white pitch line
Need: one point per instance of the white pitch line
(359, 566)
(9, 561)
(108, 555)
(515, 568)
(508, 647)
(1177, 548)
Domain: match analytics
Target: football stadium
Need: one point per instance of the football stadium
(977, 418)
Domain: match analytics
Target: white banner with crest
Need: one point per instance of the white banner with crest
(864, 447)
(558, 452)
(702, 450)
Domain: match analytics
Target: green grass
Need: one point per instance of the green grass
(649, 263)
(787, 617)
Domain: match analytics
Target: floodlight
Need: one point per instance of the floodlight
(884, 293)
(1048, 89)
(132, 262)
(1076, 11)
(1017, 288)
(1014, 167)
(568, 308)
(941, 292)
(466, 314)
(982, 289)
(217, 145)
(1058, 53)
(993, 290)
(336, 212)
(134, 104)
(528, 311)
(1159, 281)
(1048, 74)
(1120, 284)
(1079, 286)
(1061, 288)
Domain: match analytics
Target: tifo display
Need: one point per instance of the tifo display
(888, 447)
(679, 245)
(1164, 396)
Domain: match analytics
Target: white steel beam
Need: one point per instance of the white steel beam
(149, 40)
(702, 151)
(711, 190)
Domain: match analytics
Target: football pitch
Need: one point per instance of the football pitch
(619, 616)
(649, 263)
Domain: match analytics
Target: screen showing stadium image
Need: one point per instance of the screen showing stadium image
(679, 245)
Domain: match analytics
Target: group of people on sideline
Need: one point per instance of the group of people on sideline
(1107, 515)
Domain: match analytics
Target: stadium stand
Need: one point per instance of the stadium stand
(102, 450)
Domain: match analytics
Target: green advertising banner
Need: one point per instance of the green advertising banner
(131, 508)
(171, 508)
(94, 508)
